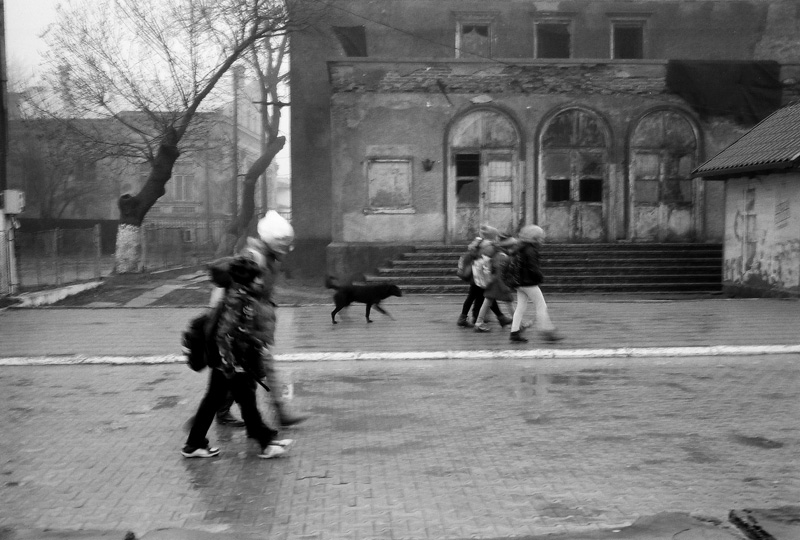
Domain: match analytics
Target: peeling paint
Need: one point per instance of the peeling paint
(762, 240)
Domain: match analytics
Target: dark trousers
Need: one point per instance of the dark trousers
(243, 388)
(475, 300)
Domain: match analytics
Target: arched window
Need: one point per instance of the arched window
(663, 155)
(573, 176)
(573, 158)
(664, 200)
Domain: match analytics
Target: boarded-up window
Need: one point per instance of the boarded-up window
(389, 183)
(499, 177)
(663, 151)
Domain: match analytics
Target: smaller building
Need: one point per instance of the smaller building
(761, 172)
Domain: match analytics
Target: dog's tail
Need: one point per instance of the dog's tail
(331, 282)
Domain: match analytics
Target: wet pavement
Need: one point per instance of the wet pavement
(407, 446)
(408, 449)
(420, 324)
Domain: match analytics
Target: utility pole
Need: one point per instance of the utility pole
(237, 72)
(8, 263)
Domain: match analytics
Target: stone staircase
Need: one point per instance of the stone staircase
(575, 268)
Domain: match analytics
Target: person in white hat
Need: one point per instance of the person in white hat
(530, 239)
(265, 253)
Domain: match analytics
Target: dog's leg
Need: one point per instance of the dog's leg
(369, 307)
(379, 308)
(333, 314)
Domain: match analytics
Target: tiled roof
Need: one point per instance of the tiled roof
(773, 144)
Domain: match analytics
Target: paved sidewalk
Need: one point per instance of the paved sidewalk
(425, 326)
(651, 421)
(639, 449)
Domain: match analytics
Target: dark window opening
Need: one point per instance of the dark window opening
(467, 192)
(475, 39)
(558, 190)
(552, 40)
(353, 39)
(480, 29)
(628, 42)
(677, 191)
(591, 190)
(468, 165)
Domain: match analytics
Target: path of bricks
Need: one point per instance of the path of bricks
(402, 448)
(408, 449)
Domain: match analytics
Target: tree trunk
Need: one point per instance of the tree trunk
(244, 225)
(134, 208)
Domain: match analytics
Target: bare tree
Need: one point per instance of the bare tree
(267, 60)
(57, 171)
(159, 58)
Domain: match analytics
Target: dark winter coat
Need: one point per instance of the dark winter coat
(245, 317)
(530, 272)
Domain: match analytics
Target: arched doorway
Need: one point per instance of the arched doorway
(573, 176)
(665, 200)
(483, 175)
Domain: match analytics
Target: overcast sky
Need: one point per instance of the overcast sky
(25, 21)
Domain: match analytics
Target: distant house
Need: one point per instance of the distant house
(67, 186)
(761, 174)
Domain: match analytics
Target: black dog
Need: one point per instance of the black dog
(370, 294)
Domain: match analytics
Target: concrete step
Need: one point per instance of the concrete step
(574, 268)
(420, 271)
(548, 288)
(571, 261)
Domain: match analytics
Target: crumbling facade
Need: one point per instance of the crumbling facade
(416, 121)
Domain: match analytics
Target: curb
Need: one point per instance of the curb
(529, 354)
(50, 296)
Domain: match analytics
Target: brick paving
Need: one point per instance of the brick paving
(408, 449)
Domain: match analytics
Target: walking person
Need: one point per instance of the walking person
(276, 236)
(474, 292)
(474, 300)
(529, 244)
(484, 271)
(247, 282)
(497, 291)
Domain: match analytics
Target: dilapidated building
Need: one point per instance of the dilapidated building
(761, 176)
(414, 121)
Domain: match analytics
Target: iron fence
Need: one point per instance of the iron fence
(60, 256)
(165, 246)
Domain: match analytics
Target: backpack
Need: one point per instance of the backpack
(195, 343)
(511, 271)
(465, 267)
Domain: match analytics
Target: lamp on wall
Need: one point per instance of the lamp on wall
(427, 164)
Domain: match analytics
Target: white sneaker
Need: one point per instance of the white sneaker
(283, 443)
(207, 452)
(275, 449)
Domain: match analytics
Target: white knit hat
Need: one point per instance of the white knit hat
(276, 232)
(531, 233)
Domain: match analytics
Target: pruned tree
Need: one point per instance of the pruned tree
(160, 59)
(267, 61)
